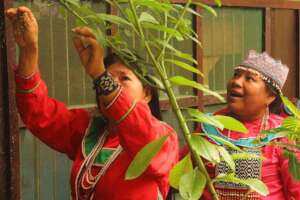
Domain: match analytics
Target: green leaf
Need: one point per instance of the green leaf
(130, 15)
(182, 167)
(195, 40)
(292, 124)
(231, 123)
(155, 5)
(146, 17)
(226, 156)
(218, 2)
(203, 118)
(113, 19)
(100, 36)
(206, 7)
(142, 159)
(185, 66)
(73, 2)
(294, 164)
(225, 142)
(280, 131)
(180, 80)
(205, 149)
(254, 184)
(184, 56)
(290, 106)
(162, 28)
(192, 184)
(193, 12)
(168, 46)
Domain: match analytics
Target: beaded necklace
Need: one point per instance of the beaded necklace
(85, 172)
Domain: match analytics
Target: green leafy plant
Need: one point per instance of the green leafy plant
(289, 129)
(155, 25)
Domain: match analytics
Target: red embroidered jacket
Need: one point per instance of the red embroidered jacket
(274, 173)
(64, 131)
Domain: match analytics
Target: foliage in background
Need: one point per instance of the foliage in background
(155, 25)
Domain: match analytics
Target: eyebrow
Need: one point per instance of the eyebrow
(247, 72)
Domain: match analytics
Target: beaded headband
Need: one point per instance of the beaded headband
(272, 71)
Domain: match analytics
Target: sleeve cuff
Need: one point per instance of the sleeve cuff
(120, 107)
(27, 84)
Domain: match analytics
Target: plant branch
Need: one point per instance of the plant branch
(175, 27)
(67, 7)
(175, 106)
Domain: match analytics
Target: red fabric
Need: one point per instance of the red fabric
(63, 130)
(274, 167)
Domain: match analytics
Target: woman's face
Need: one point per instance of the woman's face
(130, 82)
(247, 95)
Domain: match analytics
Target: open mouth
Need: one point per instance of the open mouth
(235, 94)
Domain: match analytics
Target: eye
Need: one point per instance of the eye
(236, 74)
(251, 78)
(125, 78)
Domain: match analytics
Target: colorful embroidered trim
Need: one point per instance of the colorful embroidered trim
(127, 113)
(29, 90)
(243, 142)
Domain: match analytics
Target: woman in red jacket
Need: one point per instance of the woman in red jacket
(252, 93)
(101, 147)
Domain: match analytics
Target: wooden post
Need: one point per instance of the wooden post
(268, 30)
(9, 145)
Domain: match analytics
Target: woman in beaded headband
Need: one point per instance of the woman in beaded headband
(101, 148)
(255, 85)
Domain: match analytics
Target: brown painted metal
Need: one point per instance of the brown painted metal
(184, 102)
(9, 143)
(114, 11)
(298, 49)
(285, 46)
(267, 33)
(285, 4)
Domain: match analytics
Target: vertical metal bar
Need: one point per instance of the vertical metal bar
(9, 139)
(67, 56)
(298, 53)
(268, 31)
(199, 56)
(223, 49)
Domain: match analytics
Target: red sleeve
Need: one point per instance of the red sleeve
(290, 185)
(137, 127)
(48, 119)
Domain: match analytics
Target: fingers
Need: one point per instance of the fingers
(11, 13)
(84, 39)
(82, 43)
(78, 44)
(23, 9)
(14, 13)
(84, 31)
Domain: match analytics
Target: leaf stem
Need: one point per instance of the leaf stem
(64, 4)
(173, 101)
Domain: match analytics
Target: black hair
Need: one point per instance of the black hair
(275, 105)
(154, 102)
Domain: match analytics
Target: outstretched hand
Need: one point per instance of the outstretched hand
(25, 27)
(89, 50)
(25, 30)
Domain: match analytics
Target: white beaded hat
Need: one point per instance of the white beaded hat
(270, 70)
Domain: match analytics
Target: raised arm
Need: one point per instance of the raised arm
(47, 118)
(130, 116)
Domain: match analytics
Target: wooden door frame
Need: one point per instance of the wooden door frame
(9, 139)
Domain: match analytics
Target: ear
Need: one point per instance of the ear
(270, 98)
(147, 94)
